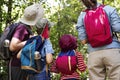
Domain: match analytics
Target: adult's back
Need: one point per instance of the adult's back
(5, 39)
(100, 61)
(97, 27)
(113, 18)
(31, 15)
(20, 36)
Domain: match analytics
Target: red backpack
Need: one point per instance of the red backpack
(66, 63)
(97, 27)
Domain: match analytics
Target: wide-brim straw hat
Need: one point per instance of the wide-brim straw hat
(32, 14)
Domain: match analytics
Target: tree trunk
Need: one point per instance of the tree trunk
(8, 20)
(1, 20)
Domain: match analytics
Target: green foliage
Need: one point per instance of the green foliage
(3, 70)
(55, 76)
(64, 15)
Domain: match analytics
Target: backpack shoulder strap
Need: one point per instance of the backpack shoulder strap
(28, 29)
(12, 30)
(40, 42)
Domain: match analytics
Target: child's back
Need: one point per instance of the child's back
(68, 60)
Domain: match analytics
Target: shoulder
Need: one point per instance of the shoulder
(48, 46)
(106, 7)
(21, 32)
(80, 18)
(21, 26)
(109, 8)
(82, 14)
(47, 41)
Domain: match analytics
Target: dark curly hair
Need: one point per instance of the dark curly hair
(67, 42)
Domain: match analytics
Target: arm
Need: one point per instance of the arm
(113, 17)
(16, 44)
(84, 41)
(49, 51)
(53, 67)
(19, 54)
(81, 65)
(19, 38)
(49, 58)
(81, 29)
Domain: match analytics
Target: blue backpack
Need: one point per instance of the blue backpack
(31, 59)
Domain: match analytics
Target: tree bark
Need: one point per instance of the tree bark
(8, 20)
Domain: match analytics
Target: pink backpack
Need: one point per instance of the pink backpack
(97, 27)
(66, 63)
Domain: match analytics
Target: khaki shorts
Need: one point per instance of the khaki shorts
(104, 63)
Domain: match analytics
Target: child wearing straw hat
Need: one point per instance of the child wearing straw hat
(43, 29)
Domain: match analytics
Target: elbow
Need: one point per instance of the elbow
(116, 28)
(49, 62)
(49, 58)
(12, 48)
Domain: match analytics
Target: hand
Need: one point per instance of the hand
(84, 41)
(31, 36)
(19, 54)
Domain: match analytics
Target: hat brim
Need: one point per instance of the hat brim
(51, 24)
(23, 20)
(33, 22)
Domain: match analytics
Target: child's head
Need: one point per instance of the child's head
(43, 27)
(67, 42)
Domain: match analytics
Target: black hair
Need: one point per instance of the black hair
(94, 1)
(89, 3)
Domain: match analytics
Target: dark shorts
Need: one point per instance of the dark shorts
(40, 76)
(18, 74)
